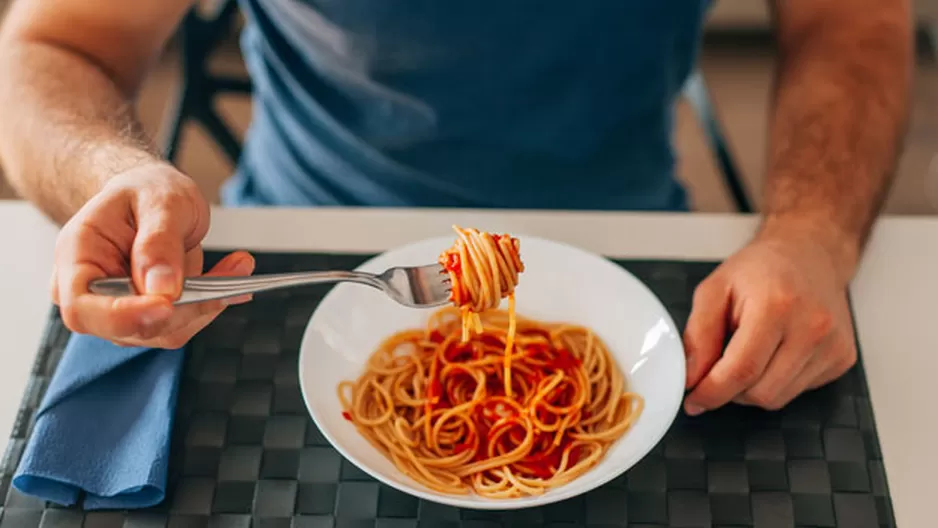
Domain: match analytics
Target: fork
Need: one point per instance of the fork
(412, 286)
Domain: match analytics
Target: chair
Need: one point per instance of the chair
(201, 33)
(695, 90)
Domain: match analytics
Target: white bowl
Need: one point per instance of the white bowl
(560, 283)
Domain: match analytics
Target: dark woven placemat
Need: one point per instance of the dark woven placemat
(245, 452)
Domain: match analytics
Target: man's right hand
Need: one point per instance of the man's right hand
(147, 223)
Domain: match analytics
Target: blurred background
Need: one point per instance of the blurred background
(736, 66)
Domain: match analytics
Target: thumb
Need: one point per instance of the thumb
(706, 328)
(158, 253)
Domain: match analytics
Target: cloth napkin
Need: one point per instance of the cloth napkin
(102, 431)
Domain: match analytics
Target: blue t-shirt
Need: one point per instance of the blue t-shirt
(465, 103)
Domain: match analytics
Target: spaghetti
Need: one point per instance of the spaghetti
(483, 400)
(483, 269)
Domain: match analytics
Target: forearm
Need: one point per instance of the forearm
(840, 109)
(66, 127)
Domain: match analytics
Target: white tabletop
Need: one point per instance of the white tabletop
(895, 293)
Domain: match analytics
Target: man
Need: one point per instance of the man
(484, 104)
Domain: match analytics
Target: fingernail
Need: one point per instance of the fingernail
(155, 314)
(693, 410)
(240, 299)
(160, 280)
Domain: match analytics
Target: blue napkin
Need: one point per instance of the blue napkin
(102, 431)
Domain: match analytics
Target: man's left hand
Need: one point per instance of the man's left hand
(782, 300)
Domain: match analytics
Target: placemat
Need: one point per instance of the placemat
(245, 452)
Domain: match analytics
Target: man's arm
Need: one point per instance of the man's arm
(841, 102)
(70, 70)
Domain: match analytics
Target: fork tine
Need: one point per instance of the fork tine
(442, 279)
(427, 285)
(441, 275)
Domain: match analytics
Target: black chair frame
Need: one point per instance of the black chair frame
(199, 87)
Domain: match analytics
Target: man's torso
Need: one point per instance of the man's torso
(482, 103)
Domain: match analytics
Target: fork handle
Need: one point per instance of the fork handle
(200, 289)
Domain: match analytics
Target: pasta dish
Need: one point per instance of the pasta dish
(485, 400)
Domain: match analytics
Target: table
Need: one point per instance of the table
(895, 292)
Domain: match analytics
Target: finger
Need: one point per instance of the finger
(193, 262)
(842, 360)
(779, 383)
(159, 249)
(811, 335)
(705, 333)
(82, 256)
(802, 381)
(829, 361)
(236, 264)
(191, 318)
(105, 316)
(747, 355)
